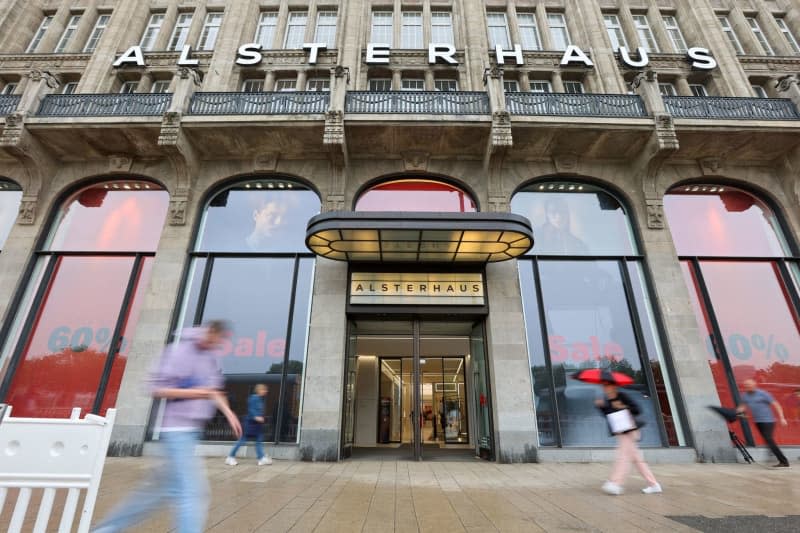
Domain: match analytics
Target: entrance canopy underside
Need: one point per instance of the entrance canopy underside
(419, 237)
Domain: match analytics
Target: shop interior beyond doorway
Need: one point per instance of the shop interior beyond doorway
(383, 378)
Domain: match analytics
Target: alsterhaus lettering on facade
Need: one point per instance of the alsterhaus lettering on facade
(416, 243)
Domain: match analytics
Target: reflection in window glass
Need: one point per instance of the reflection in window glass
(61, 362)
(707, 220)
(574, 219)
(258, 216)
(111, 217)
(585, 312)
(589, 326)
(10, 199)
(750, 297)
(246, 232)
(416, 195)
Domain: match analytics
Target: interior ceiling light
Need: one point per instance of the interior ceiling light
(419, 237)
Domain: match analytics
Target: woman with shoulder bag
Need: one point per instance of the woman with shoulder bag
(621, 415)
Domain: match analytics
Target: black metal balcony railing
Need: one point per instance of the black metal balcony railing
(262, 103)
(731, 108)
(575, 105)
(8, 104)
(427, 102)
(104, 105)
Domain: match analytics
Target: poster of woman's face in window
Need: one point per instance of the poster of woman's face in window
(571, 219)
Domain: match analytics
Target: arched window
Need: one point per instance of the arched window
(71, 336)
(10, 199)
(586, 305)
(250, 266)
(742, 277)
(416, 194)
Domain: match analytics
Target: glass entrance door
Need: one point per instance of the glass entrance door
(416, 390)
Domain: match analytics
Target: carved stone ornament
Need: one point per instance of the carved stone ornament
(341, 71)
(266, 162)
(186, 73)
(785, 83)
(334, 128)
(646, 75)
(177, 211)
(334, 202)
(170, 129)
(665, 132)
(120, 163)
(565, 163)
(494, 72)
(710, 166)
(501, 129)
(655, 214)
(43, 75)
(27, 212)
(416, 160)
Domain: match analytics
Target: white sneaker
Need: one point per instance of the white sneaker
(266, 460)
(231, 461)
(653, 489)
(612, 488)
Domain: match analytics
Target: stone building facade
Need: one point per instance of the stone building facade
(182, 111)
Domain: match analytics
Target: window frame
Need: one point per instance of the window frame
(249, 84)
(644, 32)
(97, 32)
(527, 23)
(329, 30)
(128, 87)
(290, 36)
(323, 84)
(675, 34)
(558, 30)
(212, 21)
(387, 81)
(420, 82)
(39, 34)
(511, 86)
(70, 87)
(537, 85)
(264, 26)
(286, 85)
(160, 83)
(382, 16)
(760, 36)
(8, 89)
(151, 31)
(572, 84)
(70, 29)
(667, 88)
(697, 89)
(439, 82)
(412, 33)
(496, 15)
(729, 32)
(759, 91)
(614, 31)
(436, 16)
(180, 33)
(787, 33)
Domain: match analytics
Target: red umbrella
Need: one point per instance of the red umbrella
(602, 376)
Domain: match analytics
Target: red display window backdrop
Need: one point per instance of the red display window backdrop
(64, 355)
(416, 195)
(63, 360)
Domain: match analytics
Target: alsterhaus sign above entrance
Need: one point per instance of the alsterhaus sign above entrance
(378, 54)
(379, 288)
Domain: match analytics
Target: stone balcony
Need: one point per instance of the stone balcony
(418, 102)
(104, 105)
(259, 103)
(715, 107)
(8, 104)
(575, 105)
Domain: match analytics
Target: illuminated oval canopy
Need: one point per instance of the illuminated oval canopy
(419, 237)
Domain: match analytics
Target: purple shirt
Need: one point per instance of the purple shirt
(185, 365)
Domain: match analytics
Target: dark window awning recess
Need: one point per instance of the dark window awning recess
(391, 236)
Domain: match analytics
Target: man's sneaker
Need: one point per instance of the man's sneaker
(231, 461)
(653, 489)
(266, 460)
(781, 465)
(612, 488)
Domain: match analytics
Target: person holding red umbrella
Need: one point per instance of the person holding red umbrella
(621, 412)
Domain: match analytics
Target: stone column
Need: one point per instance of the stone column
(187, 80)
(743, 31)
(645, 84)
(56, 28)
(544, 27)
(659, 29)
(269, 81)
(198, 20)
(84, 28)
(682, 84)
(516, 435)
(153, 329)
(686, 345)
(771, 30)
(524, 81)
(397, 77)
(320, 432)
(475, 41)
(703, 29)
(230, 37)
(429, 85)
(605, 65)
(555, 80)
(145, 83)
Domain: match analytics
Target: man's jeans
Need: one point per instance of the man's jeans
(179, 480)
(767, 429)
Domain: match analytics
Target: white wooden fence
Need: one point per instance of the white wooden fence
(53, 454)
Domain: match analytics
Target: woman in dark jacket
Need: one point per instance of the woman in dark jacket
(622, 424)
